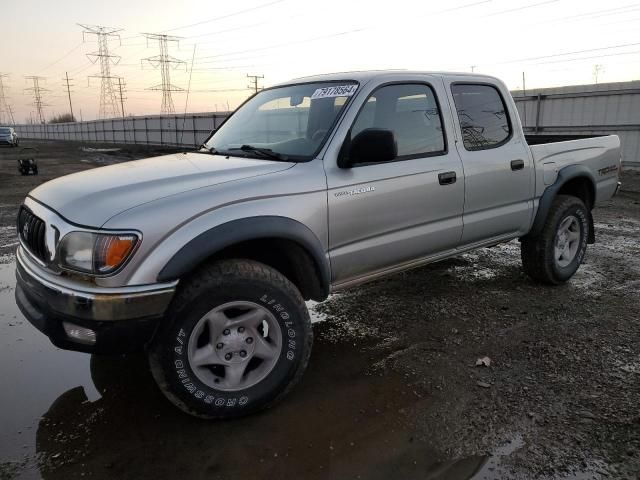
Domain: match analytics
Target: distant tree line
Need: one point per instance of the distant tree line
(62, 118)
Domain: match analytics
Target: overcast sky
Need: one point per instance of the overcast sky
(555, 42)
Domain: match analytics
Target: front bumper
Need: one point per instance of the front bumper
(122, 319)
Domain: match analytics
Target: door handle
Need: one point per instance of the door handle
(517, 165)
(447, 178)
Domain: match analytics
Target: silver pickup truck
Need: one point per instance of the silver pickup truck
(205, 259)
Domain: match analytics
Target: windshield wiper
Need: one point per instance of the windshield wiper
(265, 152)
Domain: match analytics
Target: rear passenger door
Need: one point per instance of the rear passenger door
(499, 175)
(385, 214)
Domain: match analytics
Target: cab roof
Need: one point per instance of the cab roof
(365, 76)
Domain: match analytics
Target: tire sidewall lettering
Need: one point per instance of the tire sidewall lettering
(212, 399)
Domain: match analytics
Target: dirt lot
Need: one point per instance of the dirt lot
(392, 390)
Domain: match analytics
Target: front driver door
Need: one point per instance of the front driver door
(388, 214)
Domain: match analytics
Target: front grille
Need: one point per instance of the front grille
(32, 232)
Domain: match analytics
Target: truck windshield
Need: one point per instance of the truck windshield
(4, 131)
(283, 123)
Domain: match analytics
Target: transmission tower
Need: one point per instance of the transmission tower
(253, 85)
(109, 106)
(6, 113)
(37, 92)
(165, 62)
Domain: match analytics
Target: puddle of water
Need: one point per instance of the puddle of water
(66, 414)
(34, 373)
(492, 466)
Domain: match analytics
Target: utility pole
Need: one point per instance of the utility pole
(253, 85)
(524, 104)
(473, 68)
(597, 70)
(4, 106)
(108, 97)
(68, 85)
(165, 62)
(120, 85)
(37, 92)
(13, 120)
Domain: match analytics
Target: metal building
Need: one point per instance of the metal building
(585, 110)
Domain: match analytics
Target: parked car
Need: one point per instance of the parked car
(312, 186)
(8, 136)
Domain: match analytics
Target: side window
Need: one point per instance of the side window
(483, 116)
(411, 112)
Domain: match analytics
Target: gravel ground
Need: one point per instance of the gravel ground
(392, 390)
(564, 378)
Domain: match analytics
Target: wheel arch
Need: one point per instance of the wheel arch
(575, 180)
(280, 242)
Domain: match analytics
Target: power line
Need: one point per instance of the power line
(634, 52)
(285, 44)
(165, 62)
(524, 7)
(239, 12)
(575, 52)
(108, 97)
(595, 14)
(384, 25)
(63, 57)
(37, 92)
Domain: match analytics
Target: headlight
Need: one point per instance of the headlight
(95, 253)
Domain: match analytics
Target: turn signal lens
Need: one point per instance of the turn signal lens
(95, 253)
(112, 250)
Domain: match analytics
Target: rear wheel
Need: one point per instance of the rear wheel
(237, 339)
(555, 254)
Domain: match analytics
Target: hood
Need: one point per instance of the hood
(91, 197)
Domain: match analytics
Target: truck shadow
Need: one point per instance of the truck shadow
(343, 421)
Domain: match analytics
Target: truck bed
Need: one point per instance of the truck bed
(540, 139)
(599, 154)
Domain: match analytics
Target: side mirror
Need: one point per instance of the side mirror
(372, 145)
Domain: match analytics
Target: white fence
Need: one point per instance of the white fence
(176, 130)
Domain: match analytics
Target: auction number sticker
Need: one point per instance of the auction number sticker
(337, 91)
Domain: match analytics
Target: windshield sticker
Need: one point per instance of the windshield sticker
(339, 91)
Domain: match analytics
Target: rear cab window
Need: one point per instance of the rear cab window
(483, 115)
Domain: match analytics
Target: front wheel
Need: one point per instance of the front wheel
(237, 338)
(555, 254)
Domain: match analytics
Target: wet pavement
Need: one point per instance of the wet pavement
(392, 390)
(68, 415)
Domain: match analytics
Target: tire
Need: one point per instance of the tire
(566, 226)
(197, 359)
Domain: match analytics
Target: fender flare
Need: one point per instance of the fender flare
(551, 192)
(227, 234)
